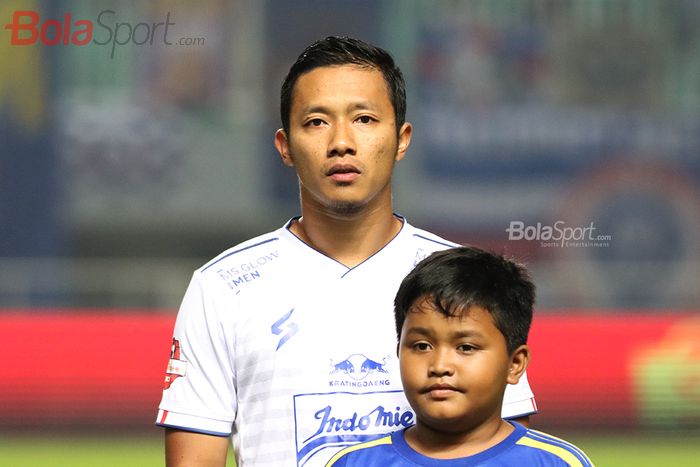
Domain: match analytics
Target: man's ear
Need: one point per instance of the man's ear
(282, 145)
(404, 140)
(519, 360)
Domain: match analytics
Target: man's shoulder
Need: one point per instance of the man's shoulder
(427, 240)
(260, 250)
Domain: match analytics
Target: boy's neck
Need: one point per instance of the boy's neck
(348, 239)
(447, 445)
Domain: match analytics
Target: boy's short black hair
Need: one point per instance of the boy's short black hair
(336, 51)
(455, 279)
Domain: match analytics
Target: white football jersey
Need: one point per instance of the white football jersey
(294, 354)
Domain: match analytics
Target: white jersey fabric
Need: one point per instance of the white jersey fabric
(294, 354)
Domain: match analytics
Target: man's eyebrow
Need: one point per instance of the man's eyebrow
(362, 105)
(315, 109)
(322, 109)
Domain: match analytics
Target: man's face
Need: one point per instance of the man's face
(454, 370)
(342, 138)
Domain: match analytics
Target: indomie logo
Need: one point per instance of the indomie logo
(358, 366)
(379, 417)
(326, 422)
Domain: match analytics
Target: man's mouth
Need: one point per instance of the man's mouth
(343, 173)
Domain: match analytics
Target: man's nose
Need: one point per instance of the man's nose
(342, 141)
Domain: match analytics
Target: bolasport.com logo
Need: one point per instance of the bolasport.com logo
(29, 28)
(558, 235)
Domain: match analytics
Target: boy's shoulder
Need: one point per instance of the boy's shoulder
(542, 445)
(522, 447)
(374, 452)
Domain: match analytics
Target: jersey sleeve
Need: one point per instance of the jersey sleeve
(199, 389)
(518, 400)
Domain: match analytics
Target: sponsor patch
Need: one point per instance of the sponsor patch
(176, 366)
(326, 423)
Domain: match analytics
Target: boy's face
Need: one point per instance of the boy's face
(342, 137)
(454, 370)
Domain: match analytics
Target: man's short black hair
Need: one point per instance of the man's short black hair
(458, 278)
(336, 51)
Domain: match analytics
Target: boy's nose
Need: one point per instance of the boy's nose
(442, 364)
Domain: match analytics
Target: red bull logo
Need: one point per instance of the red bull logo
(358, 366)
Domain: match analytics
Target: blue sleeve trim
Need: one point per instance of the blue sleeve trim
(194, 430)
(237, 251)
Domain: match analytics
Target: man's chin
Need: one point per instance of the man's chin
(345, 208)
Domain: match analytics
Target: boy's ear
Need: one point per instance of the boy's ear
(518, 363)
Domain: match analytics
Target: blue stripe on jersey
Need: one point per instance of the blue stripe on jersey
(366, 445)
(216, 260)
(553, 440)
(194, 430)
(448, 245)
(337, 440)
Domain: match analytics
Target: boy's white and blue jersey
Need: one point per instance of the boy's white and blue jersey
(294, 354)
(523, 447)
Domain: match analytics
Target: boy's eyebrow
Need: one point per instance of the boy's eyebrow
(456, 334)
(467, 333)
(419, 330)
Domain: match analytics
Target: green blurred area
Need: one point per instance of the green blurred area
(606, 450)
(85, 451)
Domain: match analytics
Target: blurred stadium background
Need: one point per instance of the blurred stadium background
(125, 166)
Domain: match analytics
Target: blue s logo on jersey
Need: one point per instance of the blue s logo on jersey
(286, 331)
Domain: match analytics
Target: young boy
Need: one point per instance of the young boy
(462, 320)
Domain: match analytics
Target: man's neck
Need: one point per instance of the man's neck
(348, 239)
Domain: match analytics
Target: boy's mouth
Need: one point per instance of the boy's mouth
(440, 390)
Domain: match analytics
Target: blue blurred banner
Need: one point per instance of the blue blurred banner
(30, 201)
(146, 138)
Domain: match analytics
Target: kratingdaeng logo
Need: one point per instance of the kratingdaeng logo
(358, 366)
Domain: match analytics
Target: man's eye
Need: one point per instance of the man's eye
(365, 119)
(315, 122)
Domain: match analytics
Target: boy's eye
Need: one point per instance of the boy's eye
(466, 348)
(421, 346)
